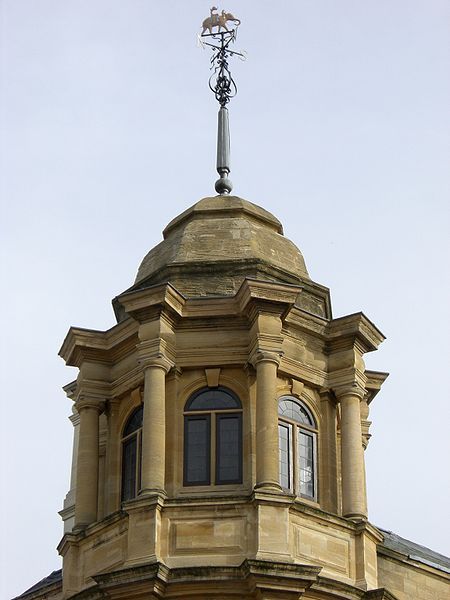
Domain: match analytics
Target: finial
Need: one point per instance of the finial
(222, 84)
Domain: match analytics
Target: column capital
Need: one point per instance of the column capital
(89, 402)
(261, 356)
(344, 391)
(159, 362)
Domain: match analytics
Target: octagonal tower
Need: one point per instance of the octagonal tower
(220, 425)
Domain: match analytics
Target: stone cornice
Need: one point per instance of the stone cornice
(70, 389)
(74, 537)
(304, 371)
(207, 307)
(375, 380)
(93, 388)
(141, 304)
(128, 381)
(250, 575)
(324, 517)
(149, 351)
(98, 346)
(209, 357)
(302, 320)
(355, 329)
(254, 295)
(75, 417)
(327, 587)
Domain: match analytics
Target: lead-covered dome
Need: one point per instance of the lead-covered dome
(215, 244)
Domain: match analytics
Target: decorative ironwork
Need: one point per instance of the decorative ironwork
(221, 83)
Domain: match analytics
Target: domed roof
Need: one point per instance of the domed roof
(213, 246)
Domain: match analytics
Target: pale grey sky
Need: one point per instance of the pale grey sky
(340, 128)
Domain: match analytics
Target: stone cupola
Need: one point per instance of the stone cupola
(215, 244)
(221, 423)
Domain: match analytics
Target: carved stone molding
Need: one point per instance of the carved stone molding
(264, 356)
(149, 350)
(297, 387)
(84, 402)
(74, 417)
(212, 377)
(97, 390)
(349, 390)
(160, 362)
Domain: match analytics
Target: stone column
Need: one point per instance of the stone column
(267, 452)
(86, 495)
(154, 427)
(68, 511)
(113, 475)
(352, 456)
(328, 471)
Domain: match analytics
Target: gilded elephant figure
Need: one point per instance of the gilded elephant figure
(219, 21)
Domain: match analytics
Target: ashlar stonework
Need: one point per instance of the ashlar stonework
(225, 302)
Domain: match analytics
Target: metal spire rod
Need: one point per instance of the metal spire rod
(223, 86)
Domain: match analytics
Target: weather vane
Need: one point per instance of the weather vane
(221, 83)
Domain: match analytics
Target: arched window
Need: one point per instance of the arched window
(213, 438)
(131, 455)
(297, 435)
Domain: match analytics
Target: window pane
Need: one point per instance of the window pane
(229, 449)
(129, 468)
(213, 399)
(196, 450)
(295, 411)
(306, 464)
(285, 459)
(134, 422)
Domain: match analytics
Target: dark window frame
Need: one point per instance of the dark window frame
(312, 431)
(214, 414)
(133, 436)
(187, 419)
(219, 417)
(236, 403)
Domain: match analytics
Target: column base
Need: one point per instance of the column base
(269, 486)
(356, 517)
(152, 492)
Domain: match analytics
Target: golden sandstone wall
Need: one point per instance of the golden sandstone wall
(413, 581)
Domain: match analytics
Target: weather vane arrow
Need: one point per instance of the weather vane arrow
(222, 84)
